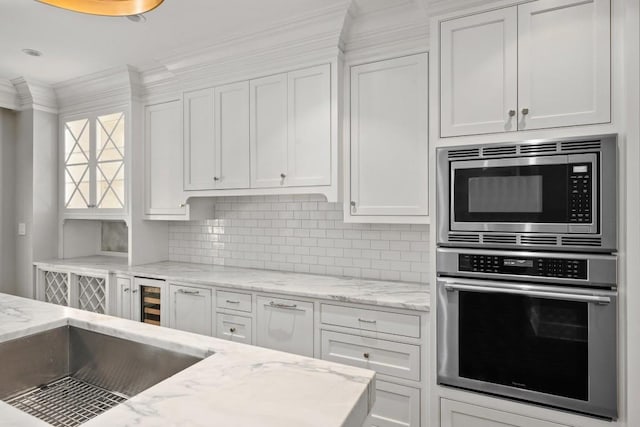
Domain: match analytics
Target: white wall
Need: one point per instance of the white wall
(36, 201)
(7, 201)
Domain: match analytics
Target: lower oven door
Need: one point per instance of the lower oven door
(550, 345)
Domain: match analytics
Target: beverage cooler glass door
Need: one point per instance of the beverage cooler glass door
(551, 345)
(545, 194)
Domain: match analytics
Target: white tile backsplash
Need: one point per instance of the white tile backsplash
(301, 233)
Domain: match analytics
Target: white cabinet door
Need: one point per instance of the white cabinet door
(232, 136)
(199, 149)
(459, 414)
(563, 63)
(285, 325)
(268, 123)
(309, 135)
(478, 73)
(191, 309)
(123, 297)
(163, 159)
(396, 406)
(389, 142)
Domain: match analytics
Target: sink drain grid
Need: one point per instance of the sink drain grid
(67, 402)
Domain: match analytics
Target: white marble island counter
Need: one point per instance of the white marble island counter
(412, 296)
(238, 385)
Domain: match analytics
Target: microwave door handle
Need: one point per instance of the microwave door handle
(530, 293)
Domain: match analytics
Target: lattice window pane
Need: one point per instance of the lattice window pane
(92, 294)
(77, 157)
(110, 137)
(56, 287)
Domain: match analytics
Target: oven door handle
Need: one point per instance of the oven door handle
(530, 293)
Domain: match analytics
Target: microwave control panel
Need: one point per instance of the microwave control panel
(524, 266)
(580, 193)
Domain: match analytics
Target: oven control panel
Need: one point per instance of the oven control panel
(525, 266)
(580, 193)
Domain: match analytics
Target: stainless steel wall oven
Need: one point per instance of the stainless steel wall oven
(526, 293)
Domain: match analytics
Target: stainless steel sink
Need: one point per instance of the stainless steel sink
(68, 375)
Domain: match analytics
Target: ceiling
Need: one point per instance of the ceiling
(75, 44)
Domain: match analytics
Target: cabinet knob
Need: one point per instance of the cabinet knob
(353, 204)
(232, 330)
(135, 291)
(283, 175)
(182, 205)
(366, 356)
(525, 111)
(512, 113)
(126, 289)
(215, 178)
(91, 206)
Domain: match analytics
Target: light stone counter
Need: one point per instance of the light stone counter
(239, 385)
(413, 296)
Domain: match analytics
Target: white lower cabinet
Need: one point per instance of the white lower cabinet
(124, 303)
(89, 292)
(459, 414)
(386, 357)
(234, 328)
(284, 324)
(190, 309)
(396, 406)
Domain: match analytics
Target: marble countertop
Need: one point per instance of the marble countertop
(413, 296)
(239, 385)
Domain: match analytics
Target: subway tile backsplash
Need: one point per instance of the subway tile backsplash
(301, 233)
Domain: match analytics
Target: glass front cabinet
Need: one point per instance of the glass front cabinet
(94, 172)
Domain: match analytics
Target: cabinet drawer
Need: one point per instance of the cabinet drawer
(396, 406)
(386, 357)
(459, 414)
(285, 325)
(234, 328)
(371, 320)
(234, 301)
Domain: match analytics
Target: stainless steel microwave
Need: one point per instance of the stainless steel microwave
(546, 194)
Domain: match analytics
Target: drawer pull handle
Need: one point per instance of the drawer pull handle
(230, 301)
(232, 330)
(284, 306)
(135, 291)
(366, 356)
(366, 321)
(126, 289)
(184, 291)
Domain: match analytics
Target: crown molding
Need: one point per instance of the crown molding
(8, 95)
(116, 86)
(34, 95)
(454, 7)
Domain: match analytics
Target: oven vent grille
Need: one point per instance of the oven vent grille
(504, 239)
(503, 150)
(538, 148)
(466, 238)
(539, 240)
(468, 152)
(580, 145)
(581, 241)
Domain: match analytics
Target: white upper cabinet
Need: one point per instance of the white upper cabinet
(478, 73)
(389, 143)
(541, 64)
(563, 63)
(268, 118)
(93, 156)
(163, 159)
(216, 138)
(309, 136)
(232, 136)
(199, 134)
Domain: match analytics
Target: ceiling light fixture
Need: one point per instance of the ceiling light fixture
(106, 7)
(32, 52)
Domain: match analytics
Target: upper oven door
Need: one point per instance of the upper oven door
(544, 194)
